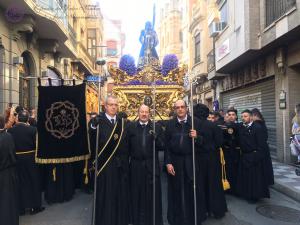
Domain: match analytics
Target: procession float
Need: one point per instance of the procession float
(148, 82)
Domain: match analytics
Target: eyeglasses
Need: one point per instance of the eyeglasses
(112, 105)
(180, 107)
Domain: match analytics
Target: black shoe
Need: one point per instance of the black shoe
(34, 211)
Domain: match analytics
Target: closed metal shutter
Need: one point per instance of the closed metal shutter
(260, 95)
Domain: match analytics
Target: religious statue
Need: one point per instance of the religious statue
(149, 41)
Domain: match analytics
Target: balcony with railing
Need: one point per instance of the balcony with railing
(277, 8)
(55, 9)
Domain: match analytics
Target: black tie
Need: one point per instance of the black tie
(144, 137)
(182, 132)
(112, 121)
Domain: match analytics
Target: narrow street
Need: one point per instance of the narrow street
(79, 212)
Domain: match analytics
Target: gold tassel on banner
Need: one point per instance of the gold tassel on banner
(85, 171)
(226, 184)
(54, 174)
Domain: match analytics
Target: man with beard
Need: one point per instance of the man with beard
(231, 148)
(9, 213)
(140, 140)
(24, 137)
(112, 202)
(179, 163)
(252, 181)
(209, 166)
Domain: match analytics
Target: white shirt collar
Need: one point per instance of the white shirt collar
(185, 119)
(110, 118)
(249, 124)
(145, 123)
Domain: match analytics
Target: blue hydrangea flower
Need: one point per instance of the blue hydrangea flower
(170, 62)
(127, 64)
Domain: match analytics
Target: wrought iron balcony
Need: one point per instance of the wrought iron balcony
(56, 8)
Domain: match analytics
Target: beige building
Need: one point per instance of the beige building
(200, 46)
(44, 39)
(183, 30)
(169, 28)
(257, 61)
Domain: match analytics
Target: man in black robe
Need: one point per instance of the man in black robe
(112, 202)
(24, 137)
(179, 163)
(231, 148)
(140, 142)
(252, 181)
(209, 166)
(9, 210)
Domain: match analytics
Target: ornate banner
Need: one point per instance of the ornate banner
(62, 127)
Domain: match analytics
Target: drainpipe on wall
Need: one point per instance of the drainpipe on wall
(280, 61)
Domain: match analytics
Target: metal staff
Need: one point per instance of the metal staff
(96, 156)
(193, 152)
(154, 149)
(100, 62)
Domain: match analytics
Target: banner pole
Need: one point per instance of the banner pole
(96, 154)
(193, 152)
(154, 150)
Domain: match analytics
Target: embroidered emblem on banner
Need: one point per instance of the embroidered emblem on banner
(230, 131)
(62, 119)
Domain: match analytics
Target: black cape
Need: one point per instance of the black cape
(232, 153)
(252, 178)
(28, 171)
(9, 210)
(268, 166)
(141, 173)
(178, 152)
(212, 198)
(112, 203)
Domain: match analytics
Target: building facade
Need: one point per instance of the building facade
(46, 39)
(169, 28)
(200, 47)
(257, 63)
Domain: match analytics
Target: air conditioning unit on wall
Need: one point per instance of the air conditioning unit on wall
(216, 27)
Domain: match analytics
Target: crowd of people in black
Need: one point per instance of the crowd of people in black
(125, 180)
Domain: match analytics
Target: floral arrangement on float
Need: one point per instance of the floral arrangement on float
(127, 64)
(170, 62)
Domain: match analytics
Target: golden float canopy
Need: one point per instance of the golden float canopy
(131, 96)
